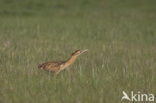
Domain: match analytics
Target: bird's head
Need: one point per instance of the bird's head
(79, 52)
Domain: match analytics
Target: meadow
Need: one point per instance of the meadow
(119, 34)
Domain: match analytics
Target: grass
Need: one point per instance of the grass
(120, 36)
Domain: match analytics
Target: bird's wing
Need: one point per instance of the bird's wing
(124, 93)
(52, 66)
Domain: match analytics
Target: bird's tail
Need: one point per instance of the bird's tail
(40, 66)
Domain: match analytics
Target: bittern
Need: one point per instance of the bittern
(56, 67)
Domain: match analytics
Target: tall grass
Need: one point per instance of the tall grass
(120, 36)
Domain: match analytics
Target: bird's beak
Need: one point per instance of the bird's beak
(82, 51)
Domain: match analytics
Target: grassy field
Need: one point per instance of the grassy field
(120, 36)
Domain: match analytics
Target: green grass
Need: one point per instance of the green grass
(120, 36)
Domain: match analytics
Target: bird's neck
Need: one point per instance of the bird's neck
(69, 62)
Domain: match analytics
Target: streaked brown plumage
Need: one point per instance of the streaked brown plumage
(56, 67)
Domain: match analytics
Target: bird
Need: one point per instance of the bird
(57, 67)
(125, 96)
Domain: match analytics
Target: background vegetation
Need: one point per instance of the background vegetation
(120, 36)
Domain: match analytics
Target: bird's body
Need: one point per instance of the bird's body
(56, 67)
(51, 66)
